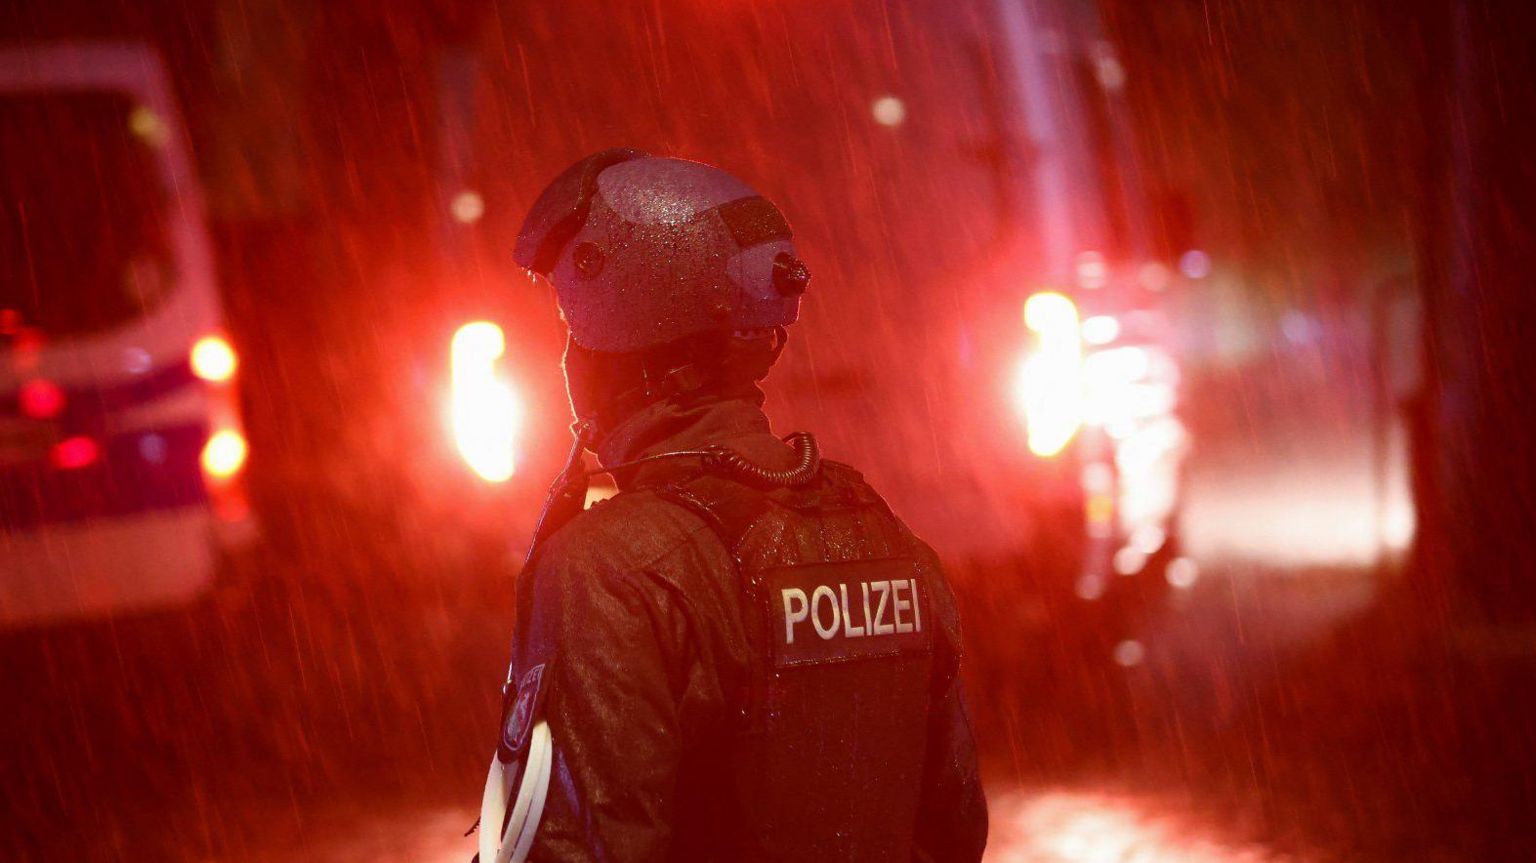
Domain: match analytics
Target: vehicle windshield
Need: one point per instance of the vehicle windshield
(84, 245)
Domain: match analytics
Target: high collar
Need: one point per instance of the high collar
(737, 423)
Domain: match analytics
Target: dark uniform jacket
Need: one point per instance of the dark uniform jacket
(714, 703)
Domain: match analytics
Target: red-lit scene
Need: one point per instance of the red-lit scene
(1178, 350)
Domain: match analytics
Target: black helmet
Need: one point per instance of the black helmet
(644, 251)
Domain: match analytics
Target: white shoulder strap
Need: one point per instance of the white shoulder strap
(516, 840)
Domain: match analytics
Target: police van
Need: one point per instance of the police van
(121, 448)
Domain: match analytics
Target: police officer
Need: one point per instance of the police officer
(743, 655)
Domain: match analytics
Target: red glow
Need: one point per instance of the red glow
(27, 347)
(75, 452)
(230, 504)
(41, 399)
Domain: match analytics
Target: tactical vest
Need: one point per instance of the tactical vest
(848, 655)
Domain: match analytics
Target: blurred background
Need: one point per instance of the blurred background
(1192, 334)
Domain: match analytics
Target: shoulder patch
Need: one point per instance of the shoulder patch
(519, 711)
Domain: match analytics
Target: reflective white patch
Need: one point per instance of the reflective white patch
(493, 805)
(879, 627)
(824, 592)
(792, 613)
(898, 610)
(516, 840)
(847, 610)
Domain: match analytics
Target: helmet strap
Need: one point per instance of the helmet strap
(568, 493)
(675, 384)
(613, 387)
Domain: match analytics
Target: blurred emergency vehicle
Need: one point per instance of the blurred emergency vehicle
(121, 447)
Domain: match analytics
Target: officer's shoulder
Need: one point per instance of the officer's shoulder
(632, 528)
(842, 472)
(842, 484)
(840, 480)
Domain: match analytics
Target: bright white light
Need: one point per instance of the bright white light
(1121, 365)
(1098, 478)
(1061, 825)
(1320, 512)
(224, 454)
(1149, 538)
(486, 412)
(1130, 560)
(1101, 330)
(1049, 313)
(1122, 386)
(1048, 388)
(213, 359)
(889, 111)
(1182, 573)
(1148, 463)
(1399, 518)
(467, 207)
